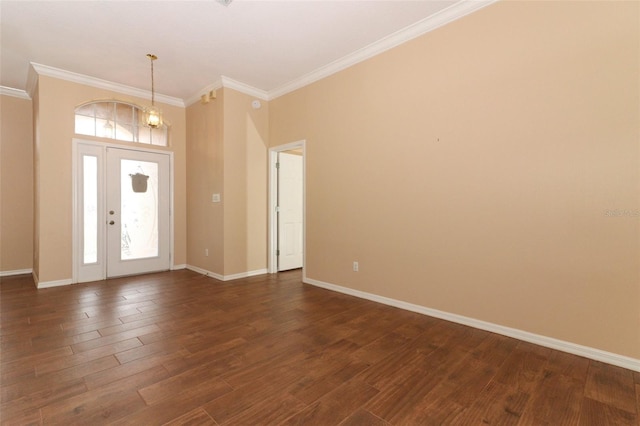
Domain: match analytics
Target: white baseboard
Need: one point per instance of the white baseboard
(549, 342)
(16, 272)
(245, 274)
(205, 272)
(57, 283)
(226, 277)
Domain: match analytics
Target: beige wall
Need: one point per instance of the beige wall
(227, 154)
(16, 184)
(489, 169)
(54, 133)
(472, 170)
(205, 165)
(245, 183)
(36, 181)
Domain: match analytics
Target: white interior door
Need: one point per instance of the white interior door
(290, 211)
(123, 212)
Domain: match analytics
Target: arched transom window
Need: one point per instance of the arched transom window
(117, 120)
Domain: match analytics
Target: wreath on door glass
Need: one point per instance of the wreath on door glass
(139, 182)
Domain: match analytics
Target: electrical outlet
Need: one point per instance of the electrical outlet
(206, 252)
(355, 266)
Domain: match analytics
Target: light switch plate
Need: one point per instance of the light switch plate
(215, 198)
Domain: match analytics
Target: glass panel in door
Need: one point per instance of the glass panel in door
(138, 209)
(138, 212)
(90, 228)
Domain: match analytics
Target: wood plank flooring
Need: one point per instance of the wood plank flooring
(179, 348)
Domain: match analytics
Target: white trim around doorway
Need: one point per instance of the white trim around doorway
(75, 235)
(272, 259)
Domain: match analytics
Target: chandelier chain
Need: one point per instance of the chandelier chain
(152, 57)
(152, 88)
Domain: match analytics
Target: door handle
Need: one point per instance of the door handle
(111, 222)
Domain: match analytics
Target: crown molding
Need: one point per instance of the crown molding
(445, 16)
(244, 88)
(197, 96)
(103, 84)
(228, 83)
(15, 93)
(32, 81)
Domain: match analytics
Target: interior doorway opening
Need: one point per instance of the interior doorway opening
(287, 207)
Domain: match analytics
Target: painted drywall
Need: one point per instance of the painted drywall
(36, 180)
(227, 155)
(489, 169)
(205, 165)
(245, 183)
(57, 100)
(16, 184)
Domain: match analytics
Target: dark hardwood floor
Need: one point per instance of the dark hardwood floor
(179, 348)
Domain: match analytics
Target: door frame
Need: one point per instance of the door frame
(272, 258)
(76, 232)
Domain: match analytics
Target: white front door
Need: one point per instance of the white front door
(138, 212)
(123, 212)
(290, 211)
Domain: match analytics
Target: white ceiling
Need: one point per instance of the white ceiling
(263, 44)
